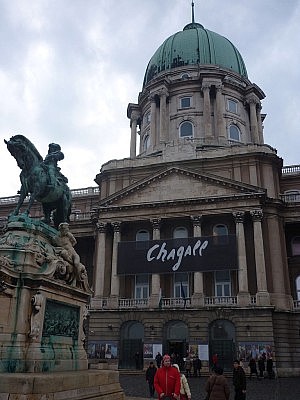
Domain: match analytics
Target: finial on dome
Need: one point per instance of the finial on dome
(193, 24)
(193, 15)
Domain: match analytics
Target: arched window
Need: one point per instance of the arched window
(295, 246)
(298, 287)
(220, 233)
(185, 76)
(234, 133)
(180, 232)
(146, 143)
(142, 235)
(186, 129)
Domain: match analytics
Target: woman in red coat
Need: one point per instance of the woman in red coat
(167, 380)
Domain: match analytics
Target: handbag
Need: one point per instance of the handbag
(183, 397)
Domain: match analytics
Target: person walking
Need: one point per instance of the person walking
(270, 367)
(150, 374)
(188, 366)
(239, 381)
(185, 391)
(197, 365)
(167, 380)
(217, 386)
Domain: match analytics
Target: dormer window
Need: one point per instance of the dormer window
(232, 106)
(186, 129)
(185, 76)
(185, 102)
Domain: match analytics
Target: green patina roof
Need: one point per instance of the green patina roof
(195, 45)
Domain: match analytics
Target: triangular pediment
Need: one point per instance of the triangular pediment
(176, 184)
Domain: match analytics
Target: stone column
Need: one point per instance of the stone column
(259, 124)
(114, 284)
(99, 265)
(220, 110)
(163, 116)
(133, 125)
(243, 293)
(280, 297)
(262, 296)
(153, 139)
(155, 278)
(253, 119)
(207, 111)
(198, 292)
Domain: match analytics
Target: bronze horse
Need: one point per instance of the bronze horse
(36, 182)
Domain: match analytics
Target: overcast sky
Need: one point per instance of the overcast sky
(69, 68)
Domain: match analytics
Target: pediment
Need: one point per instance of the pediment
(177, 184)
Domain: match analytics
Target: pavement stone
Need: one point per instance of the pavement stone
(136, 388)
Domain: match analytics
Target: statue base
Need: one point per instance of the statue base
(76, 385)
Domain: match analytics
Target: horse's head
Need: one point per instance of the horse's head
(23, 151)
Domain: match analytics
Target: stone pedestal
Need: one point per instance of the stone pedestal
(44, 295)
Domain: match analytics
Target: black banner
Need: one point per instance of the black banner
(207, 253)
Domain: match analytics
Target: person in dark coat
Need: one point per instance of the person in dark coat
(158, 359)
(270, 367)
(253, 368)
(217, 387)
(197, 365)
(261, 366)
(150, 374)
(239, 381)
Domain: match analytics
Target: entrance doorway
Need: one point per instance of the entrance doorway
(131, 345)
(222, 343)
(176, 340)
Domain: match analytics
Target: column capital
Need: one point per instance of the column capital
(155, 223)
(252, 99)
(101, 227)
(196, 220)
(239, 217)
(256, 215)
(219, 87)
(163, 92)
(205, 87)
(116, 226)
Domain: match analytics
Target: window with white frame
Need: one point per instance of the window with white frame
(296, 246)
(181, 285)
(185, 102)
(222, 283)
(186, 129)
(298, 287)
(232, 106)
(142, 286)
(234, 133)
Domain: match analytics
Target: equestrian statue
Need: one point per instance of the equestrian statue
(41, 179)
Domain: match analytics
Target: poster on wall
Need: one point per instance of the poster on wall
(193, 350)
(102, 349)
(148, 350)
(248, 350)
(203, 352)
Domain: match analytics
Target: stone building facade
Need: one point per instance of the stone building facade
(202, 175)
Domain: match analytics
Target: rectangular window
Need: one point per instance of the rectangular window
(232, 106)
(222, 283)
(185, 102)
(181, 285)
(142, 286)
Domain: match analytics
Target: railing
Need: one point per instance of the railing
(224, 301)
(98, 303)
(290, 197)
(253, 300)
(176, 302)
(296, 304)
(80, 216)
(290, 169)
(133, 303)
(85, 191)
(75, 193)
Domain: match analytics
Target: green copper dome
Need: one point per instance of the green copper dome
(195, 45)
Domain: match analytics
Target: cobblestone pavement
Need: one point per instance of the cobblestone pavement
(136, 388)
